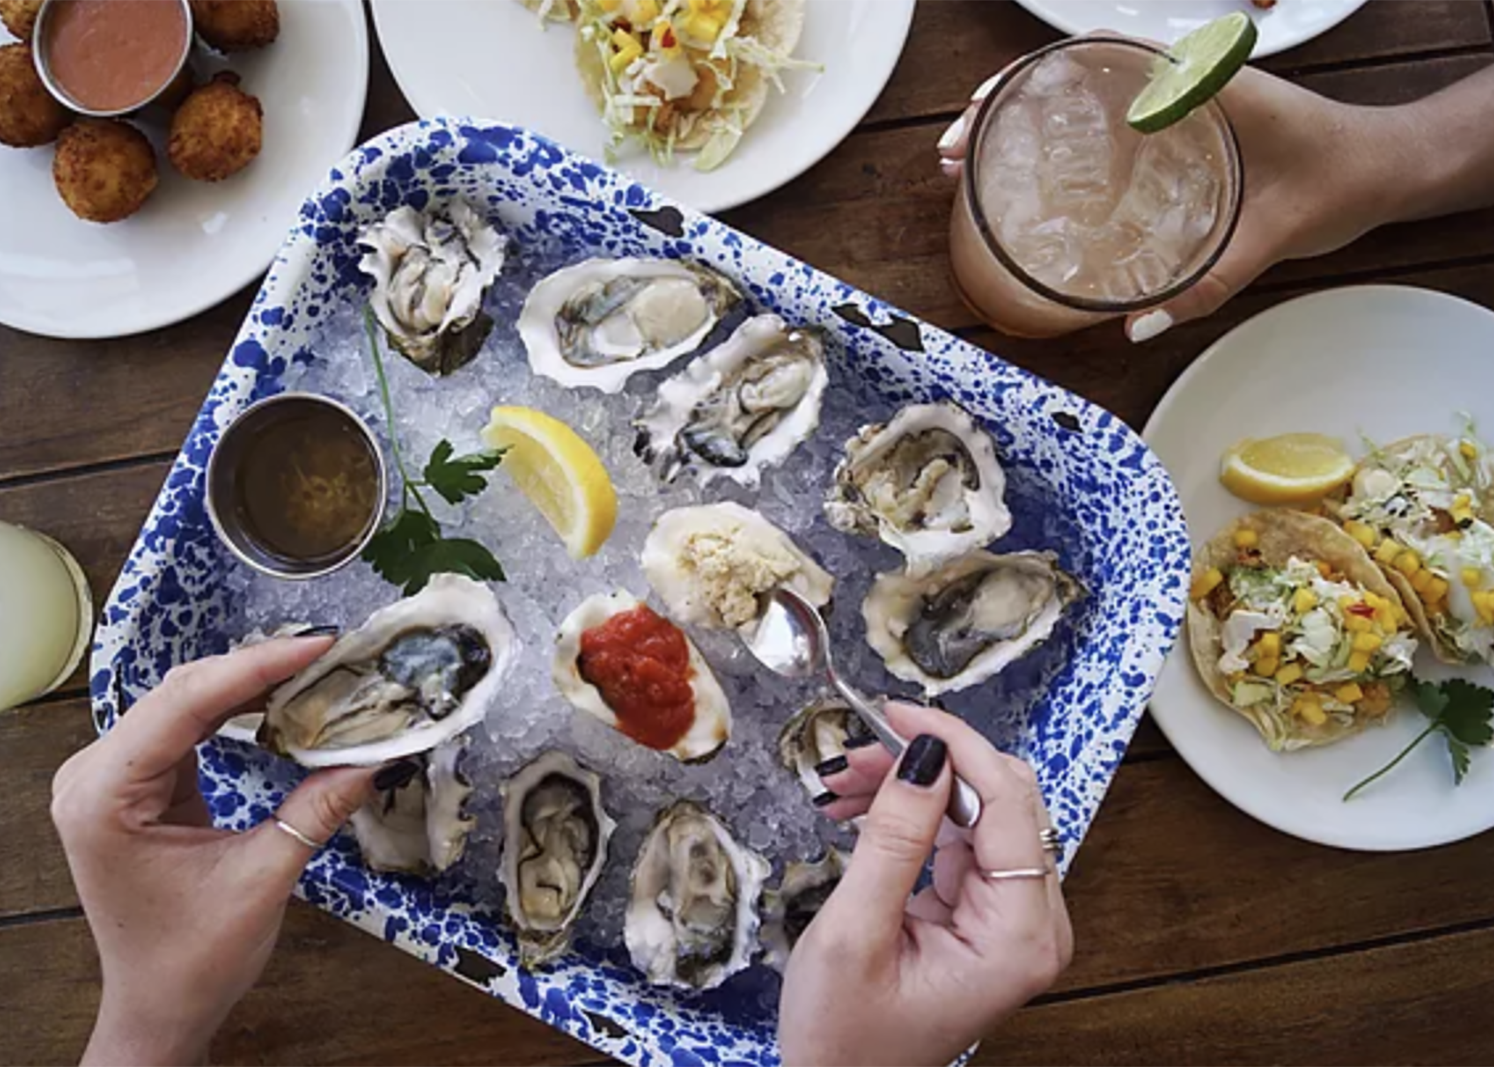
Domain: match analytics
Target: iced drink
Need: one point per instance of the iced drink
(46, 615)
(1067, 215)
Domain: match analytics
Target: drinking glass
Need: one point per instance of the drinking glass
(46, 614)
(1066, 216)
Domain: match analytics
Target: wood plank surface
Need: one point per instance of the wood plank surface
(34, 742)
(1422, 1002)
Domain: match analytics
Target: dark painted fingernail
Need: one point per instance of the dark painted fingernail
(319, 631)
(825, 799)
(860, 741)
(396, 774)
(923, 760)
(833, 765)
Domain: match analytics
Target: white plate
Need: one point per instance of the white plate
(1284, 26)
(193, 243)
(1381, 360)
(491, 58)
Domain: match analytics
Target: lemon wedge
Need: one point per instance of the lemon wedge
(1290, 468)
(560, 474)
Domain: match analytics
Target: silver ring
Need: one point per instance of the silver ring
(1050, 840)
(285, 827)
(1015, 873)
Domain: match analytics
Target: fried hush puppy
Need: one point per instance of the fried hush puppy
(104, 169)
(236, 25)
(29, 115)
(19, 16)
(217, 131)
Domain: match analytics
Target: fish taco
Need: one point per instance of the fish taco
(1293, 626)
(685, 75)
(1419, 507)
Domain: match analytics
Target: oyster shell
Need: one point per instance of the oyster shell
(711, 713)
(421, 826)
(600, 321)
(555, 835)
(965, 622)
(789, 909)
(927, 483)
(431, 270)
(417, 673)
(816, 733)
(709, 563)
(742, 407)
(692, 918)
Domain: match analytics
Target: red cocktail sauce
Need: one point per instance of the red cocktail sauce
(641, 665)
(110, 55)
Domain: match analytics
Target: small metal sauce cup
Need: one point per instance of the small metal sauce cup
(222, 476)
(40, 39)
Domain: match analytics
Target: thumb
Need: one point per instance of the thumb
(896, 839)
(317, 808)
(1243, 261)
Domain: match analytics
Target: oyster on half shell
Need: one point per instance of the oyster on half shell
(789, 909)
(739, 408)
(968, 620)
(419, 672)
(814, 734)
(431, 270)
(555, 836)
(692, 917)
(927, 483)
(600, 321)
(423, 825)
(710, 713)
(709, 563)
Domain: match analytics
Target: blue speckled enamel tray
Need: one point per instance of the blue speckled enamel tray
(1102, 495)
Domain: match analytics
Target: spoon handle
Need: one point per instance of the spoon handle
(964, 801)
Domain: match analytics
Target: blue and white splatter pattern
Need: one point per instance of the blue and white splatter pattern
(1081, 481)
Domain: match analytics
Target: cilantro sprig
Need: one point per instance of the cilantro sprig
(410, 547)
(1460, 711)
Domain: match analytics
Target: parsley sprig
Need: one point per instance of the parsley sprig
(410, 547)
(1460, 711)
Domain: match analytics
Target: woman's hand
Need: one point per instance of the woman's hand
(185, 916)
(1318, 175)
(884, 976)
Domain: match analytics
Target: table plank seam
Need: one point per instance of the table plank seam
(107, 466)
(1265, 963)
(33, 918)
(1367, 63)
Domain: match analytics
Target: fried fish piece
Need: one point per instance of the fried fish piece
(217, 131)
(19, 16)
(105, 169)
(29, 115)
(236, 25)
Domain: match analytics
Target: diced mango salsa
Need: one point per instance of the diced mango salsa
(1246, 538)
(1289, 673)
(1205, 583)
(1269, 643)
(1361, 532)
(1358, 624)
(1310, 711)
(1348, 693)
(1436, 589)
(1359, 662)
(1468, 449)
(1387, 552)
(1304, 600)
(1266, 666)
(1420, 580)
(1408, 563)
(1472, 577)
(1367, 642)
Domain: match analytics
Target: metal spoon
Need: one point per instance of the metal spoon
(791, 640)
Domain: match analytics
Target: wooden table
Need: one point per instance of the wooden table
(1202, 935)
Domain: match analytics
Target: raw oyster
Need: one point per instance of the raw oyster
(789, 909)
(601, 321)
(710, 722)
(692, 919)
(968, 620)
(417, 673)
(710, 563)
(422, 825)
(743, 406)
(431, 270)
(555, 835)
(816, 733)
(927, 483)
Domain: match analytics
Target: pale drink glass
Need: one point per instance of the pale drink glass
(1066, 215)
(46, 615)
